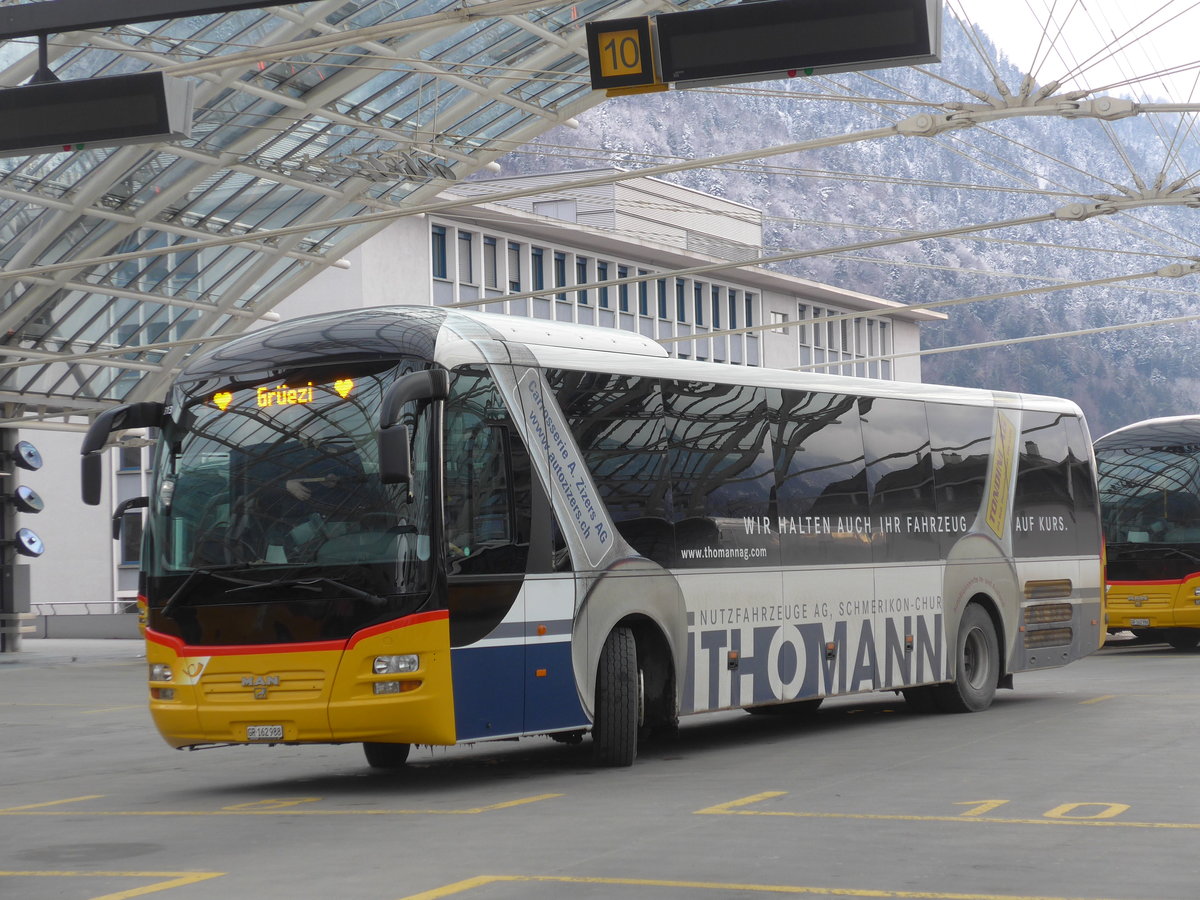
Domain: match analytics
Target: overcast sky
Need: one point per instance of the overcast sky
(1106, 41)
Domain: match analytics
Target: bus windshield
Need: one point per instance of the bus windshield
(1150, 499)
(267, 498)
(1150, 495)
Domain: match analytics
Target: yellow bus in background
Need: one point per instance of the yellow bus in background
(1150, 506)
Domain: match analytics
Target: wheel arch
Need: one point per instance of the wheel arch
(989, 605)
(651, 606)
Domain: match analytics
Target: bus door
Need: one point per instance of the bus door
(510, 583)
(561, 499)
(486, 547)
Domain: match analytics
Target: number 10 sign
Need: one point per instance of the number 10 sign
(621, 53)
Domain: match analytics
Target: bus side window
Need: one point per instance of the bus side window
(722, 473)
(961, 442)
(617, 421)
(900, 478)
(820, 478)
(487, 488)
(1047, 522)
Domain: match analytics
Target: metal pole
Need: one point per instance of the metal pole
(10, 619)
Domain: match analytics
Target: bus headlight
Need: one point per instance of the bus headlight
(397, 665)
(160, 672)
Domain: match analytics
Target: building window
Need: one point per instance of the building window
(439, 252)
(623, 290)
(749, 310)
(514, 267)
(777, 319)
(602, 275)
(581, 277)
(560, 273)
(716, 307)
(733, 308)
(662, 298)
(491, 277)
(698, 301)
(130, 459)
(680, 300)
(643, 294)
(556, 209)
(131, 538)
(537, 263)
(466, 271)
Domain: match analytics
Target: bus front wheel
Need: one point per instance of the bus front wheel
(977, 664)
(615, 729)
(1183, 638)
(386, 756)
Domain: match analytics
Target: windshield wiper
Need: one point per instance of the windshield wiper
(311, 584)
(1163, 549)
(187, 582)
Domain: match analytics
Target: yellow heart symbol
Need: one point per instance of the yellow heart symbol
(222, 400)
(344, 386)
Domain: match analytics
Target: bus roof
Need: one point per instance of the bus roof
(1168, 431)
(380, 332)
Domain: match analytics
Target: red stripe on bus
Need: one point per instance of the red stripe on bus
(415, 619)
(183, 649)
(1162, 581)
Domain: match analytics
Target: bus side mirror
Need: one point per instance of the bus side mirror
(395, 438)
(131, 415)
(395, 454)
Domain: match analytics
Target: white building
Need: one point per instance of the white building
(557, 244)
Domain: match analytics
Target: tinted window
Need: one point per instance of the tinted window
(617, 421)
(1054, 506)
(487, 482)
(900, 479)
(822, 483)
(722, 473)
(961, 444)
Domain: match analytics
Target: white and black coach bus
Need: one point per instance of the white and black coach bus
(407, 525)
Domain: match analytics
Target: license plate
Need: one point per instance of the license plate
(264, 732)
(1139, 623)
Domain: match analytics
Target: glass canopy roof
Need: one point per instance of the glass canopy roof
(314, 124)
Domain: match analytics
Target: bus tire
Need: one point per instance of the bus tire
(1183, 638)
(386, 756)
(615, 729)
(977, 664)
(660, 718)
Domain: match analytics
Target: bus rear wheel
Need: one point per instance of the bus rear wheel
(977, 665)
(386, 756)
(615, 730)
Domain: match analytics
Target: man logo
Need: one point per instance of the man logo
(260, 683)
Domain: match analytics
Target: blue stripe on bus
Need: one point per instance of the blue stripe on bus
(497, 691)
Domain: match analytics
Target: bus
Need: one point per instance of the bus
(1150, 507)
(413, 525)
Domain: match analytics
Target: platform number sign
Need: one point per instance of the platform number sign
(620, 53)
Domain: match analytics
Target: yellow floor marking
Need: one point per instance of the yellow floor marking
(274, 809)
(174, 880)
(1098, 699)
(51, 803)
(730, 809)
(469, 884)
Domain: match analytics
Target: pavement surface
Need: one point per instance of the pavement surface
(53, 651)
